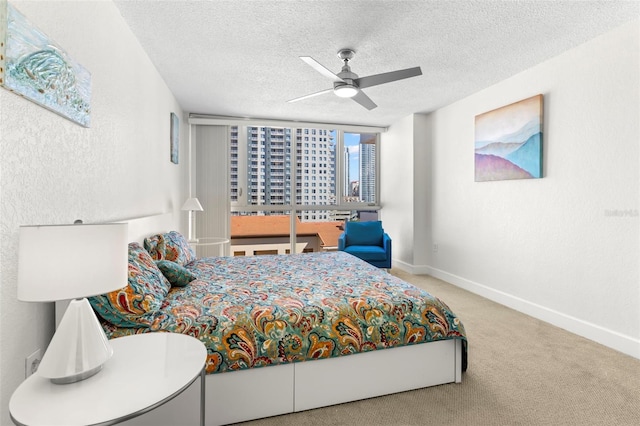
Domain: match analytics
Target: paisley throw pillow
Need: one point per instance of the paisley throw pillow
(136, 304)
(170, 246)
(178, 275)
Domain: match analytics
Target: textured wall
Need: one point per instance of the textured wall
(564, 248)
(54, 171)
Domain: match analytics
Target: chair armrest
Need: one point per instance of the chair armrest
(386, 244)
(342, 241)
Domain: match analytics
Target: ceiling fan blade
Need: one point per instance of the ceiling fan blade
(387, 77)
(320, 68)
(364, 100)
(311, 95)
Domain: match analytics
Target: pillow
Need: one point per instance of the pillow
(170, 246)
(364, 233)
(138, 303)
(178, 275)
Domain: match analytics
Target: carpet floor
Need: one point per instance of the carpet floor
(522, 371)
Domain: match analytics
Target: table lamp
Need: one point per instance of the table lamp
(192, 205)
(60, 262)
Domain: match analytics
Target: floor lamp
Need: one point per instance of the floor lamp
(192, 205)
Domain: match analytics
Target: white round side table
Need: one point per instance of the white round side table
(146, 371)
(210, 241)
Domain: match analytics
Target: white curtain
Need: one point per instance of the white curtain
(212, 186)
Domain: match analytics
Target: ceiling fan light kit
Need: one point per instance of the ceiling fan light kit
(347, 84)
(345, 90)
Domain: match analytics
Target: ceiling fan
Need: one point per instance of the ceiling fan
(347, 84)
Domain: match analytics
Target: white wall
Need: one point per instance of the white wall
(396, 190)
(54, 171)
(423, 187)
(405, 190)
(564, 248)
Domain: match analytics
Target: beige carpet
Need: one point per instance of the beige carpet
(522, 371)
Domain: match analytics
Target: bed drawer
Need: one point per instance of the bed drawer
(366, 375)
(249, 394)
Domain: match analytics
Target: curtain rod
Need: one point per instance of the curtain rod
(213, 120)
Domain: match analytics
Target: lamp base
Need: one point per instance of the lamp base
(76, 377)
(78, 349)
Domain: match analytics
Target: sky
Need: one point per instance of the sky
(352, 143)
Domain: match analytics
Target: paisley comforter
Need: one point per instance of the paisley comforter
(267, 310)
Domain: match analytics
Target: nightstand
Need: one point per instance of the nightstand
(205, 242)
(146, 371)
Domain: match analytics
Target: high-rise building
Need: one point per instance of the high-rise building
(367, 169)
(269, 170)
(346, 188)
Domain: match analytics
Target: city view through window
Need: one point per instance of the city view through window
(323, 177)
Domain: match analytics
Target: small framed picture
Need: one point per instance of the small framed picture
(175, 138)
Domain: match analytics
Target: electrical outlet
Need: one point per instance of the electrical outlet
(435, 247)
(31, 363)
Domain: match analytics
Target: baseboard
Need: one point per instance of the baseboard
(606, 337)
(404, 266)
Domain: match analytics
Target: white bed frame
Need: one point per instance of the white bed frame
(268, 391)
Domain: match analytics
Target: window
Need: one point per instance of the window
(344, 166)
(361, 165)
(263, 252)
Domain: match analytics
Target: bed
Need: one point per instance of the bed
(286, 333)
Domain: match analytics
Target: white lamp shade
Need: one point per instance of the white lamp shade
(62, 262)
(192, 204)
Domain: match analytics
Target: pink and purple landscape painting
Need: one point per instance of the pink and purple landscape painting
(508, 142)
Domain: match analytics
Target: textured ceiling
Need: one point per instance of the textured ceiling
(241, 58)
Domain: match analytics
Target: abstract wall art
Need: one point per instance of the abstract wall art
(36, 68)
(175, 138)
(508, 141)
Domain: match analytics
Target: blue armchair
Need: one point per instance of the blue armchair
(368, 241)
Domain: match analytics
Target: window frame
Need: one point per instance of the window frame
(341, 204)
(293, 209)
